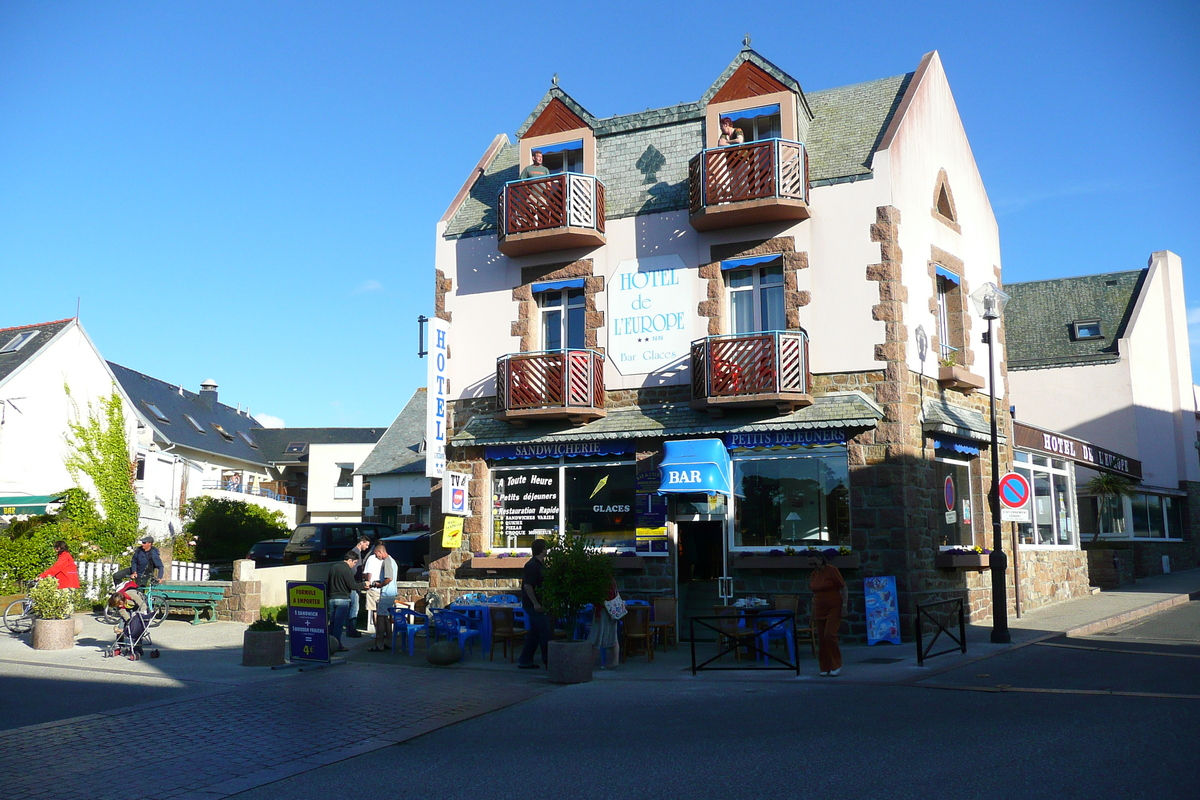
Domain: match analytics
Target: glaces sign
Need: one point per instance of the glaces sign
(650, 309)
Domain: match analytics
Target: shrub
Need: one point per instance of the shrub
(274, 613)
(264, 625)
(577, 573)
(50, 602)
(225, 529)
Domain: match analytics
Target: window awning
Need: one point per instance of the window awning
(26, 504)
(739, 263)
(695, 466)
(553, 286)
(942, 272)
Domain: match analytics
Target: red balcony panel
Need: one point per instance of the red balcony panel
(751, 369)
(558, 212)
(551, 384)
(748, 184)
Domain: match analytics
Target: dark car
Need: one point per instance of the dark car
(409, 549)
(314, 542)
(267, 553)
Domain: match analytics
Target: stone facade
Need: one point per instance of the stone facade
(1110, 568)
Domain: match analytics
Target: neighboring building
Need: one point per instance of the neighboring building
(317, 467)
(1106, 359)
(396, 491)
(658, 287)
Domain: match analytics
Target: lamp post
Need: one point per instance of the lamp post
(989, 303)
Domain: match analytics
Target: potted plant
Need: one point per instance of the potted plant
(975, 557)
(577, 572)
(264, 644)
(53, 625)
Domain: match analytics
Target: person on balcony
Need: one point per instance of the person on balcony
(537, 169)
(729, 134)
(536, 210)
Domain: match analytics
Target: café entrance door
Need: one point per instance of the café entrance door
(702, 571)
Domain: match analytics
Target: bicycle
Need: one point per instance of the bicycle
(18, 616)
(156, 604)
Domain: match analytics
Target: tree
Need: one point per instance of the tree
(1107, 487)
(577, 573)
(225, 529)
(99, 449)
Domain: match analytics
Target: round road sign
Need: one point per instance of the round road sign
(948, 492)
(1014, 490)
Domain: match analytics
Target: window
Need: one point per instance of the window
(1052, 482)
(525, 505)
(794, 501)
(295, 448)
(1088, 329)
(950, 314)
(755, 295)
(158, 414)
(17, 342)
(565, 157)
(140, 470)
(954, 504)
(562, 314)
(598, 501)
(192, 420)
(246, 438)
(344, 489)
(757, 124)
(226, 435)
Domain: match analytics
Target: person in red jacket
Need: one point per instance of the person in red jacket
(64, 568)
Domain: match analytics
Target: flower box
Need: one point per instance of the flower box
(955, 377)
(492, 562)
(962, 560)
(851, 561)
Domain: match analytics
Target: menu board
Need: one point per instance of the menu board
(883, 613)
(524, 506)
(651, 511)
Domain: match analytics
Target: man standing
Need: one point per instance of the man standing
(342, 584)
(380, 577)
(536, 169)
(540, 631)
(363, 548)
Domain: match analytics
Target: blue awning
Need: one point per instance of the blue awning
(696, 465)
(942, 272)
(738, 263)
(953, 444)
(553, 286)
(751, 113)
(575, 144)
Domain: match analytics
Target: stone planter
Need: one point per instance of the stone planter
(264, 648)
(489, 562)
(570, 662)
(444, 653)
(962, 561)
(851, 561)
(53, 634)
(959, 378)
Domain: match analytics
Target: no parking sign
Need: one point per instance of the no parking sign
(1014, 498)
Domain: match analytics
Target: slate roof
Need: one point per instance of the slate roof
(848, 123)
(174, 402)
(834, 410)
(1037, 320)
(46, 331)
(940, 417)
(274, 441)
(401, 447)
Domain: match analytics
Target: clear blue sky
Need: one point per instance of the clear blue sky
(248, 191)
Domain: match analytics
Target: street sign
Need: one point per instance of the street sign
(308, 621)
(1014, 498)
(948, 491)
(455, 499)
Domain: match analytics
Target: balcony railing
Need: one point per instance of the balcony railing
(557, 212)
(550, 384)
(751, 369)
(748, 183)
(232, 486)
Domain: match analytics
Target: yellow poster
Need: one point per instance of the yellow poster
(452, 533)
(306, 596)
(651, 534)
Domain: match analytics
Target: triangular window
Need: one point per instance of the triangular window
(943, 204)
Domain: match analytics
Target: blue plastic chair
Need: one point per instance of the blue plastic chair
(454, 627)
(411, 622)
(637, 602)
(778, 632)
(505, 598)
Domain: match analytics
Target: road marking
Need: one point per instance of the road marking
(1115, 650)
(998, 689)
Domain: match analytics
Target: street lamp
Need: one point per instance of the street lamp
(989, 303)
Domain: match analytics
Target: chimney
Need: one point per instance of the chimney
(208, 393)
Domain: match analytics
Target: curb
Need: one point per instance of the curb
(1128, 616)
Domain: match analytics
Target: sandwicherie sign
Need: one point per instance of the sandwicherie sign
(1027, 437)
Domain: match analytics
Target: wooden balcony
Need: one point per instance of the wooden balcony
(748, 184)
(751, 370)
(551, 384)
(558, 212)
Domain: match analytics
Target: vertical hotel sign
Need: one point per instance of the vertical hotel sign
(438, 381)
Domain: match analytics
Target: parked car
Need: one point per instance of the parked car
(315, 542)
(267, 553)
(409, 549)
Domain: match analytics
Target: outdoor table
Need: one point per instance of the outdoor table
(478, 613)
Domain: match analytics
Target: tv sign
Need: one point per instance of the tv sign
(455, 498)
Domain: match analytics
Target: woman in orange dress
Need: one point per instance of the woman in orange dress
(830, 603)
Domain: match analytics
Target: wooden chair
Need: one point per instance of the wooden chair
(504, 630)
(663, 625)
(730, 629)
(637, 629)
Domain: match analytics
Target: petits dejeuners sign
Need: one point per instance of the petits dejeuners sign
(650, 308)
(438, 400)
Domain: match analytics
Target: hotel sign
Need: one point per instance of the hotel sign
(650, 311)
(1027, 437)
(437, 377)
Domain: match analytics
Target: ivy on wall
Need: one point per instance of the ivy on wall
(98, 448)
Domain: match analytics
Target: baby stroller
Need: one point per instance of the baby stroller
(134, 636)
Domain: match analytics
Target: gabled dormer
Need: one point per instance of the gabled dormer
(556, 203)
(754, 167)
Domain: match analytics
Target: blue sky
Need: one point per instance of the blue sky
(248, 191)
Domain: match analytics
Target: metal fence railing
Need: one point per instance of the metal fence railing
(925, 612)
(748, 633)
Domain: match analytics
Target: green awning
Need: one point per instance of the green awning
(27, 504)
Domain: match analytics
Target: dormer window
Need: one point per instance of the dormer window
(17, 342)
(246, 438)
(565, 157)
(1086, 329)
(756, 124)
(156, 411)
(192, 421)
(226, 435)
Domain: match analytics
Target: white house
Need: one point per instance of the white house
(396, 489)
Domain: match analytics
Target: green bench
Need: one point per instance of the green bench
(199, 597)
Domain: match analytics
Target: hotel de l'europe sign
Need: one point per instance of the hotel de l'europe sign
(1027, 437)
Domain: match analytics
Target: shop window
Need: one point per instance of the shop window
(525, 506)
(1052, 482)
(954, 503)
(755, 295)
(950, 315)
(599, 503)
(756, 124)
(562, 317)
(799, 501)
